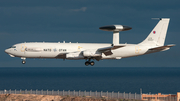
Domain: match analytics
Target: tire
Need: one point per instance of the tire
(23, 62)
(87, 63)
(92, 63)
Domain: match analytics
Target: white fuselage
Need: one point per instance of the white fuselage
(52, 50)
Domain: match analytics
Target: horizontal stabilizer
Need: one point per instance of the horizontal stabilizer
(163, 47)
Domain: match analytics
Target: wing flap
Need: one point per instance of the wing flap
(108, 53)
(107, 50)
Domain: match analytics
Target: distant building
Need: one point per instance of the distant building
(161, 97)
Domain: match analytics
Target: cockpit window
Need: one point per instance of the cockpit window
(13, 47)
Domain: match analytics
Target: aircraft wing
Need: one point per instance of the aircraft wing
(162, 47)
(107, 50)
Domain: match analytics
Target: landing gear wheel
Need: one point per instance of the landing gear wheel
(87, 63)
(23, 62)
(92, 63)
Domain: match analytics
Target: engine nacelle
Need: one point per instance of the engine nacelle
(74, 56)
(115, 28)
(90, 53)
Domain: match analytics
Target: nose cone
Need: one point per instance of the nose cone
(7, 51)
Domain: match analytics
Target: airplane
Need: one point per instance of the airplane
(95, 51)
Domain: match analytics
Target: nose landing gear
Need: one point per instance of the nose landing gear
(89, 62)
(24, 60)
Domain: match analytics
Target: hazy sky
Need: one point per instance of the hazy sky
(79, 21)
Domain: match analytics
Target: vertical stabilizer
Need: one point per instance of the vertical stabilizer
(158, 34)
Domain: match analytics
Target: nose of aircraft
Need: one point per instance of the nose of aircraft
(7, 51)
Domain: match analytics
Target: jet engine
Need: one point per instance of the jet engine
(91, 53)
(74, 56)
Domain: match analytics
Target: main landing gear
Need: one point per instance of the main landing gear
(89, 62)
(24, 60)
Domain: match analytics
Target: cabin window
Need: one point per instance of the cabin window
(13, 47)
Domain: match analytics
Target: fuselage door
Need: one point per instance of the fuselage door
(23, 48)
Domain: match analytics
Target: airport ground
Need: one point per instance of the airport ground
(33, 97)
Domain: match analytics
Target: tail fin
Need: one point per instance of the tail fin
(158, 34)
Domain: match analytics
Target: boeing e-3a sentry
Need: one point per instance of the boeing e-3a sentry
(95, 51)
